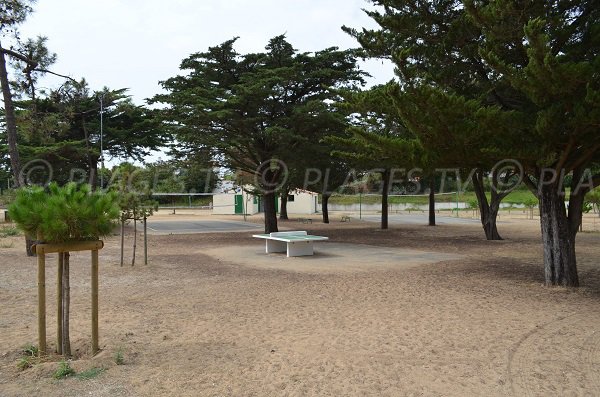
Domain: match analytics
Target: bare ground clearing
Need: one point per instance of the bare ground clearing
(196, 323)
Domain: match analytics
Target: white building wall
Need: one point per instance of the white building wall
(304, 203)
(224, 204)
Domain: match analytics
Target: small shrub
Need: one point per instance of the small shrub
(119, 357)
(64, 370)
(473, 204)
(90, 373)
(24, 363)
(30, 350)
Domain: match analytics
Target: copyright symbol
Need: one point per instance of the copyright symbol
(268, 175)
(36, 172)
(511, 168)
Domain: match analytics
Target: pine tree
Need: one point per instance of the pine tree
(245, 107)
(64, 214)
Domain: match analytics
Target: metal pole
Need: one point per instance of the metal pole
(101, 141)
(457, 203)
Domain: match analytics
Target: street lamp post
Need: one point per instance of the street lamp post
(102, 141)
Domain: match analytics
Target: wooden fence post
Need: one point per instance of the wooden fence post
(145, 242)
(95, 345)
(41, 256)
(59, 307)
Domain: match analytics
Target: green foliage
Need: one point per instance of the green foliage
(473, 204)
(135, 201)
(119, 357)
(24, 363)
(64, 370)
(593, 198)
(377, 136)
(90, 373)
(30, 350)
(255, 107)
(68, 213)
(63, 129)
(530, 202)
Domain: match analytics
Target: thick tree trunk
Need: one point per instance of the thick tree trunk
(385, 176)
(325, 207)
(488, 211)
(558, 237)
(270, 212)
(283, 215)
(10, 120)
(432, 201)
(66, 303)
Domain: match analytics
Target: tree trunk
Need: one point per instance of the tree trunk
(10, 120)
(270, 212)
(432, 201)
(325, 207)
(11, 134)
(385, 176)
(560, 262)
(283, 215)
(66, 302)
(134, 240)
(94, 175)
(29, 246)
(488, 211)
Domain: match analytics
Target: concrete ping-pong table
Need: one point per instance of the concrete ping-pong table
(298, 243)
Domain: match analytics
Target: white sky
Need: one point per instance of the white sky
(136, 43)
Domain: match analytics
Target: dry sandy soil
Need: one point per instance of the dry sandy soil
(194, 323)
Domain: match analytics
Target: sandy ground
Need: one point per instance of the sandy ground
(203, 319)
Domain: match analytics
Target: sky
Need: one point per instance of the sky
(137, 43)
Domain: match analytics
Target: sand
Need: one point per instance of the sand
(474, 319)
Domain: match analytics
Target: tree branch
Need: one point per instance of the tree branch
(32, 65)
(56, 74)
(530, 185)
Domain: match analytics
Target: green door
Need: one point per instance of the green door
(239, 204)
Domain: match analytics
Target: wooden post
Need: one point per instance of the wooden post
(95, 345)
(41, 303)
(122, 238)
(145, 242)
(59, 307)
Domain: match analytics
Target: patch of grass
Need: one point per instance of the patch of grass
(9, 231)
(30, 350)
(90, 373)
(25, 363)
(119, 357)
(64, 370)
(7, 245)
